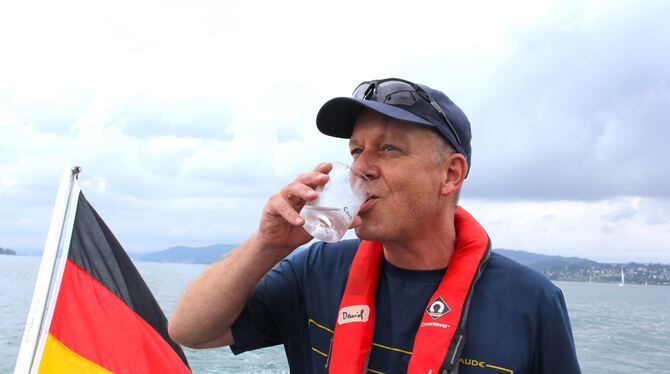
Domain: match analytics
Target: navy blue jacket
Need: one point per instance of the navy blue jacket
(518, 321)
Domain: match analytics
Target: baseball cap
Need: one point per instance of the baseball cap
(401, 100)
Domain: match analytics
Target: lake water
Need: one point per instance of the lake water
(616, 329)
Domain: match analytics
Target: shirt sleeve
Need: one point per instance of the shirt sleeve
(277, 296)
(555, 349)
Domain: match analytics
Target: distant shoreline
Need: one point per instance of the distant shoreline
(556, 268)
(7, 251)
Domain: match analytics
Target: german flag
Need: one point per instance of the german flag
(105, 318)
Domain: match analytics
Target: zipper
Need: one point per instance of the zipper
(480, 270)
(466, 310)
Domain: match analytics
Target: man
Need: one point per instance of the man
(420, 293)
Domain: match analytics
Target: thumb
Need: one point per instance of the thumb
(356, 222)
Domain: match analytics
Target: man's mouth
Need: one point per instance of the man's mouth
(368, 204)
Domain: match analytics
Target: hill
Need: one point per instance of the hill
(209, 254)
(577, 269)
(543, 262)
(188, 255)
(554, 267)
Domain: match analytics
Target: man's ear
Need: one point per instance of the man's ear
(456, 168)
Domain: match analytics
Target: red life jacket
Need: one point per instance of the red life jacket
(440, 338)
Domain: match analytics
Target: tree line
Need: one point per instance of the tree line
(6, 251)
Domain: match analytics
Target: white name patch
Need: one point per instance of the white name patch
(353, 313)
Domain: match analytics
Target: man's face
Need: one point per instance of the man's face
(401, 161)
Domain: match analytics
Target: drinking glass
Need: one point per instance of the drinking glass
(329, 216)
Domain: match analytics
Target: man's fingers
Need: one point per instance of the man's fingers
(324, 167)
(281, 207)
(313, 179)
(317, 177)
(293, 197)
(298, 193)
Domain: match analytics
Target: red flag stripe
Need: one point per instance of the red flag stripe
(95, 323)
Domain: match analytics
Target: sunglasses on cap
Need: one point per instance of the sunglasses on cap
(396, 91)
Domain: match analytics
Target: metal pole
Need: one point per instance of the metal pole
(50, 273)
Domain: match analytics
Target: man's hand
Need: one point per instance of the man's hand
(281, 225)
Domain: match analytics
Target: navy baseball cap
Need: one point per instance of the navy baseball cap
(403, 101)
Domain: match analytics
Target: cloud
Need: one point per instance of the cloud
(578, 111)
(622, 212)
(187, 117)
(158, 188)
(610, 230)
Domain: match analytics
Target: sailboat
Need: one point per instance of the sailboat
(623, 281)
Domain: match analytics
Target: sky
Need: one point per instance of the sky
(186, 116)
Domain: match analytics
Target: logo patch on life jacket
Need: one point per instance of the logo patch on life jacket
(437, 308)
(353, 313)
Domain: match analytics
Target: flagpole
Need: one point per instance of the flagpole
(50, 272)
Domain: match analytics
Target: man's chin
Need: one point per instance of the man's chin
(360, 232)
(364, 232)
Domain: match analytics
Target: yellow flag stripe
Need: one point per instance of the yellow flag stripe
(57, 358)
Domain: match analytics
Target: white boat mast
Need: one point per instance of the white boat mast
(50, 273)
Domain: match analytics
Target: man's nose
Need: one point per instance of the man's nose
(364, 164)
